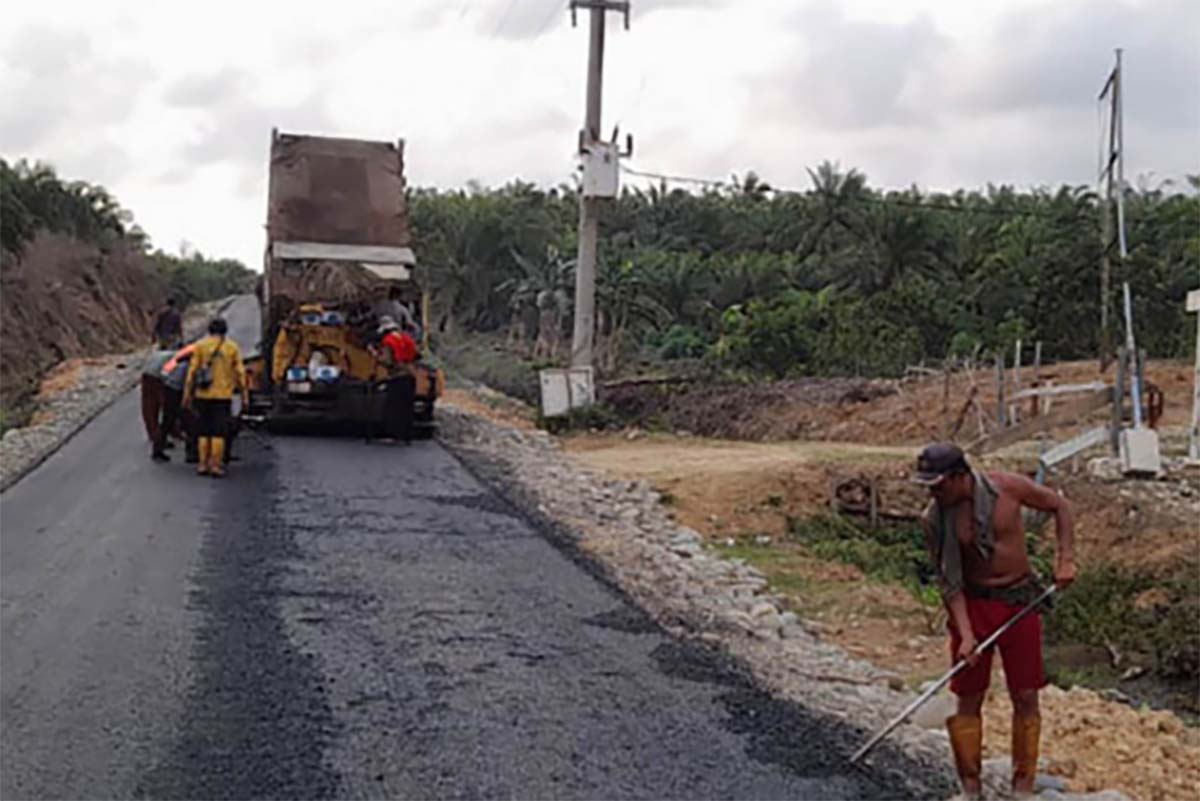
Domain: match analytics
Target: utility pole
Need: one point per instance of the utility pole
(589, 206)
(1114, 156)
(1193, 305)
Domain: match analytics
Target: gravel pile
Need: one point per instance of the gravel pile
(97, 383)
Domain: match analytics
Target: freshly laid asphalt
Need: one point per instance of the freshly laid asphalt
(344, 620)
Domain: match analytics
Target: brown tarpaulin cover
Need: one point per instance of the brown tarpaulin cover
(339, 191)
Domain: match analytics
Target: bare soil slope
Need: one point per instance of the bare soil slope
(867, 411)
(66, 299)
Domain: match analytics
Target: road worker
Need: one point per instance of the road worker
(215, 373)
(394, 309)
(398, 351)
(976, 541)
(174, 374)
(168, 327)
(154, 401)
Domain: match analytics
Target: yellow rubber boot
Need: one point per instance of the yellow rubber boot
(1026, 742)
(966, 741)
(204, 447)
(216, 458)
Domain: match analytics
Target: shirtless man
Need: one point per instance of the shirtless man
(976, 540)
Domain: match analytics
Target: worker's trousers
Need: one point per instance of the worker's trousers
(398, 406)
(153, 400)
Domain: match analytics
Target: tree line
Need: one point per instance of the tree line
(839, 278)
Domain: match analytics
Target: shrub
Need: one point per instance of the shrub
(889, 553)
(682, 342)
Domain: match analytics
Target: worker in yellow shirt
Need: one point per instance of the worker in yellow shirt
(215, 372)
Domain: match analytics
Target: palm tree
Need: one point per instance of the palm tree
(839, 199)
(541, 287)
(751, 187)
(624, 300)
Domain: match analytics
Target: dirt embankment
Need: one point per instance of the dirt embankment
(766, 411)
(896, 412)
(63, 299)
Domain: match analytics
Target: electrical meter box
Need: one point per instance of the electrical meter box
(1140, 452)
(564, 390)
(601, 163)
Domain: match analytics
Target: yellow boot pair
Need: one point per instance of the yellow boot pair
(212, 457)
(966, 742)
(204, 448)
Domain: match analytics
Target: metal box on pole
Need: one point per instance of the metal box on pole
(564, 390)
(601, 163)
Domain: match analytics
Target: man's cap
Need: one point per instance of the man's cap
(938, 461)
(386, 324)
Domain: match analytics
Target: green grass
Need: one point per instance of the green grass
(788, 572)
(1098, 610)
(1093, 676)
(753, 554)
(894, 554)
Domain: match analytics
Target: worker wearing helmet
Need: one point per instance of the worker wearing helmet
(399, 351)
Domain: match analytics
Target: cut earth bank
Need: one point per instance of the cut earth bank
(705, 535)
(74, 391)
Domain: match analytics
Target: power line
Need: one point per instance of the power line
(679, 179)
(883, 201)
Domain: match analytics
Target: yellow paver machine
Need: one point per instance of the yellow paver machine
(338, 262)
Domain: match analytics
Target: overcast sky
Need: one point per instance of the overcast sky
(170, 105)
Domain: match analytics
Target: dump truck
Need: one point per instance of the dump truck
(338, 260)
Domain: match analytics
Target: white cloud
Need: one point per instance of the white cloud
(199, 91)
(171, 105)
(852, 74)
(54, 81)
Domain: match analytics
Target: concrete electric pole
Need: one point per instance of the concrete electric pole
(590, 199)
(1193, 305)
(1114, 157)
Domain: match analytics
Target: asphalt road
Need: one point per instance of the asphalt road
(346, 620)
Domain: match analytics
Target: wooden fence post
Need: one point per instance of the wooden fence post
(1016, 407)
(1035, 408)
(1001, 414)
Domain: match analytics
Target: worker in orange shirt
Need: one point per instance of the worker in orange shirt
(399, 351)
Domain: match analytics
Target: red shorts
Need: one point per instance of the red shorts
(1020, 649)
